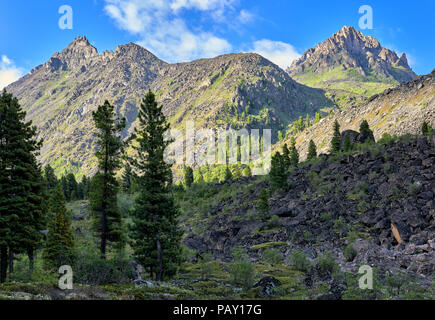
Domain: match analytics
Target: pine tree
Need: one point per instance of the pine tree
(126, 179)
(294, 154)
(347, 144)
(107, 220)
(312, 151)
(21, 184)
(317, 118)
(247, 171)
(365, 131)
(425, 128)
(308, 121)
(59, 248)
(278, 173)
(263, 204)
(228, 174)
(155, 233)
(286, 156)
(50, 177)
(188, 176)
(72, 187)
(336, 139)
(280, 136)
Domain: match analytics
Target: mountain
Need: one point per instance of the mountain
(230, 90)
(351, 67)
(395, 111)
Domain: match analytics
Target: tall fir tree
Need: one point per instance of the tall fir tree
(188, 176)
(21, 184)
(347, 144)
(312, 151)
(336, 139)
(155, 233)
(127, 179)
(107, 220)
(278, 173)
(263, 204)
(50, 177)
(294, 154)
(365, 131)
(286, 156)
(59, 247)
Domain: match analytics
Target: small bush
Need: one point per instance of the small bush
(350, 253)
(274, 222)
(206, 268)
(327, 264)
(300, 261)
(242, 271)
(413, 189)
(325, 217)
(272, 256)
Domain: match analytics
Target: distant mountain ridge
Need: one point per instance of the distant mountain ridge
(235, 90)
(350, 66)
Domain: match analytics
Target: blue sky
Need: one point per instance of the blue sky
(183, 30)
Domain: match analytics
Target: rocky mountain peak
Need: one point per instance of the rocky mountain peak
(349, 48)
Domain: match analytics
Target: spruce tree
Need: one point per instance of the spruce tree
(336, 139)
(50, 177)
(294, 154)
(286, 156)
(278, 173)
(72, 187)
(263, 204)
(312, 151)
(317, 118)
(126, 179)
(365, 131)
(308, 121)
(247, 171)
(228, 174)
(188, 176)
(59, 248)
(155, 233)
(347, 144)
(21, 184)
(107, 220)
(425, 128)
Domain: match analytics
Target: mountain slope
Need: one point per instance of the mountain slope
(395, 111)
(351, 67)
(231, 90)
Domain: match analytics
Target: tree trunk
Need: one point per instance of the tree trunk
(11, 261)
(159, 261)
(103, 235)
(3, 263)
(31, 261)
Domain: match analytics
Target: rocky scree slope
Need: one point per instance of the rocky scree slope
(333, 202)
(395, 111)
(351, 67)
(240, 89)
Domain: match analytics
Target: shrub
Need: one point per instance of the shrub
(299, 261)
(326, 264)
(414, 188)
(272, 256)
(274, 222)
(242, 273)
(206, 268)
(350, 253)
(325, 217)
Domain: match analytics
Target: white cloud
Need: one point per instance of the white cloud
(280, 53)
(162, 29)
(8, 72)
(245, 17)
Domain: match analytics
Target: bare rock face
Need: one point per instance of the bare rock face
(349, 48)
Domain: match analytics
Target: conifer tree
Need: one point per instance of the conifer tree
(21, 182)
(126, 179)
(312, 151)
(347, 144)
(72, 187)
(50, 177)
(155, 233)
(425, 128)
(188, 176)
(286, 156)
(107, 220)
(294, 154)
(336, 139)
(317, 118)
(365, 131)
(308, 121)
(228, 174)
(59, 248)
(278, 173)
(247, 171)
(263, 204)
